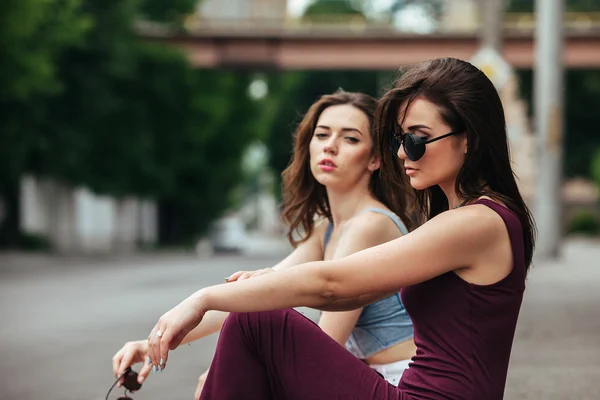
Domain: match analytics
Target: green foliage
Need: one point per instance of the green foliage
(31, 242)
(151, 125)
(33, 34)
(205, 163)
(167, 11)
(582, 100)
(323, 8)
(527, 6)
(595, 169)
(434, 7)
(342, 10)
(585, 223)
(88, 103)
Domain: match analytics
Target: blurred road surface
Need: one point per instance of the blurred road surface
(62, 319)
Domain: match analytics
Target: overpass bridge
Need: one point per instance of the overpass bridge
(292, 46)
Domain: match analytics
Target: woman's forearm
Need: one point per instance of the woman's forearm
(352, 303)
(211, 323)
(347, 304)
(303, 285)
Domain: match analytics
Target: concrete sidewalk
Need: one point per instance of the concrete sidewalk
(556, 353)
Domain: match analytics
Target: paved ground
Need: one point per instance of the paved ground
(62, 319)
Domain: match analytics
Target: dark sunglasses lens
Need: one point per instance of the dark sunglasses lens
(394, 143)
(414, 150)
(130, 382)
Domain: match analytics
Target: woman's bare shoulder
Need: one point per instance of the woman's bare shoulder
(373, 226)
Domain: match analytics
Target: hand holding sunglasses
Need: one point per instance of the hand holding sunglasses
(130, 383)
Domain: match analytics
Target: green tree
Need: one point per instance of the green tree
(93, 105)
(137, 119)
(86, 118)
(595, 170)
(173, 11)
(205, 160)
(322, 9)
(527, 6)
(33, 34)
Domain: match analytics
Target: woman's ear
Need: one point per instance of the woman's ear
(374, 164)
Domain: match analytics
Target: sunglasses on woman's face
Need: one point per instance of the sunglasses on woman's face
(414, 146)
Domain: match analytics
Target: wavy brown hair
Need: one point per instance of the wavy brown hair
(305, 199)
(467, 102)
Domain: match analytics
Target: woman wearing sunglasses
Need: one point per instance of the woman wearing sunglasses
(334, 176)
(461, 274)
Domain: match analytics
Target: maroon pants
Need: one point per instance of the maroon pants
(282, 355)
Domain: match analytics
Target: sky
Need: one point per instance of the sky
(296, 7)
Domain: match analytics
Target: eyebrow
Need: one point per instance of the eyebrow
(416, 127)
(343, 129)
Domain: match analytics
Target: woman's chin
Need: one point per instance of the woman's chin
(418, 184)
(325, 179)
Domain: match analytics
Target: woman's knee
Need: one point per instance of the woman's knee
(249, 319)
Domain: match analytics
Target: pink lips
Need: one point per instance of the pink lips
(327, 165)
(410, 171)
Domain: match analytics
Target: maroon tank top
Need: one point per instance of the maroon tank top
(464, 332)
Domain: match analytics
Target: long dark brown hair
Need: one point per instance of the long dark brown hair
(468, 102)
(305, 199)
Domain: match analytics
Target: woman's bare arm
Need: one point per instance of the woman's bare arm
(457, 240)
(307, 251)
(364, 232)
(454, 240)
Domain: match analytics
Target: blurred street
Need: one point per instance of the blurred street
(64, 318)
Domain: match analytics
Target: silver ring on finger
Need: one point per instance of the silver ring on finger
(159, 333)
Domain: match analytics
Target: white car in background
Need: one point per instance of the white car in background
(228, 234)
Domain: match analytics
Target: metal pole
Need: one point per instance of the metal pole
(548, 101)
(492, 12)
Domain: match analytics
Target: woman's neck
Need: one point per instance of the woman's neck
(454, 200)
(346, 204)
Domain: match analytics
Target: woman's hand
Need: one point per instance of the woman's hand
(201, 381)
(241, 275)
(171, 328)
(131, 353)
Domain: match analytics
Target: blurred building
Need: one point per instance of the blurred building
(460, 16)
(75, 220)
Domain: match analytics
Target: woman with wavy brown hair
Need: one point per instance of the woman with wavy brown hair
(335, 204)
